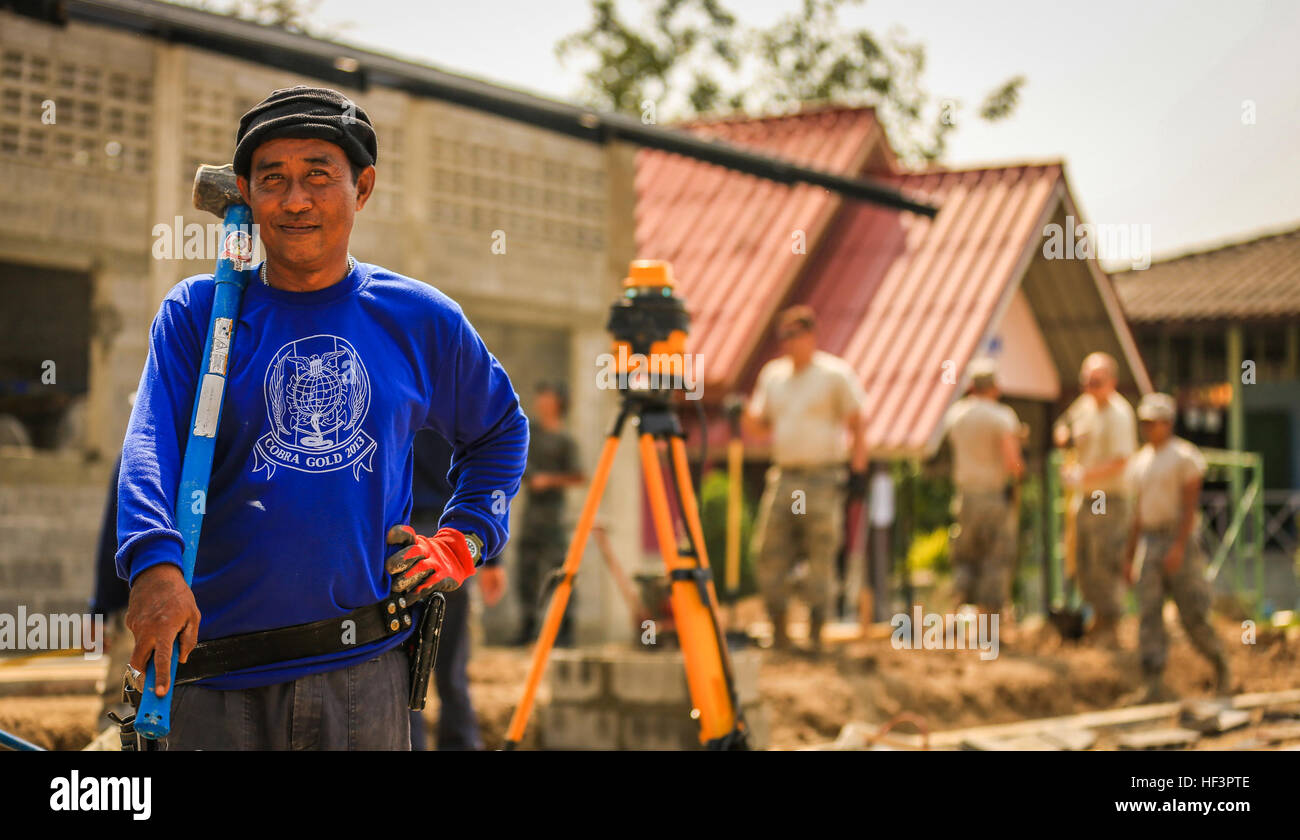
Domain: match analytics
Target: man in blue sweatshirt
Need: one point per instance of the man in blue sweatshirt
(335, 364)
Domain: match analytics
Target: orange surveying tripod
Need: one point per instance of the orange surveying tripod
(651, 321)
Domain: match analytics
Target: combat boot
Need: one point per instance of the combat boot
(816, 620)
(780, 637)
(1222, 675)
(1105, 635)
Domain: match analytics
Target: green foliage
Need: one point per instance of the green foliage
(691, 57)
(929, 550)
(933, 496)
(290, 15)
(713, 512)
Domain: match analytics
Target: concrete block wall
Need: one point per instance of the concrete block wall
(50, 510)
(618, 698)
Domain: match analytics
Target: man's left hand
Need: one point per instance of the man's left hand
(439, 563)
(1174, 558)
(492, 582)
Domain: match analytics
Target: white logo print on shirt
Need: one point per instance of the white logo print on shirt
(317, 394)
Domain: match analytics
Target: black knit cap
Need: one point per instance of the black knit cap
(307, 112)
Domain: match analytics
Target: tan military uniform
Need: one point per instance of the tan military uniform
(1101, 435)
(801, 514)
(984, 545)
(1157, 477)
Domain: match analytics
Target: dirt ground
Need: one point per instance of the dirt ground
(1034, 676)
(807, 701)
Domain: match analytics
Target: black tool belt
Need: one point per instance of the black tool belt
(360, 627)
(373, 623)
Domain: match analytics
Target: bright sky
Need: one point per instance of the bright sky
(1144, 101)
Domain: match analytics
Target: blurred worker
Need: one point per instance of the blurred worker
(807, 399)
(1101, 426)
(544, 539)
(430, 489)
(984, 434)
(110, 597)
(109, 600)
(1166, 479)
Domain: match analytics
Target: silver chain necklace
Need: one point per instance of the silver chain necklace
(352, 263)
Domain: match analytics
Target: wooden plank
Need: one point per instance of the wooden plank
(1212, 717)
(1024, 743)
(1278, 734)
(1072, 739)
(1170, 738)
(1089, 720)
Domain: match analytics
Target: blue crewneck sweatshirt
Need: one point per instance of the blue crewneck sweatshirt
(313, 458)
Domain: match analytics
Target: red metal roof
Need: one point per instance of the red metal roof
(927, 289)
(937, 294)
(729, 236)
(897, 295)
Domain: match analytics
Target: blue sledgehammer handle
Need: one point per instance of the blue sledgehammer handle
(154, 718)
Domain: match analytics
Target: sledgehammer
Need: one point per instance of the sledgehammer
(216, 192)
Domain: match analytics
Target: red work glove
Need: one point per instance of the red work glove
(439, 563)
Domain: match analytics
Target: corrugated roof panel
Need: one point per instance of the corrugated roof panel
(896, 294)
(730, 236)
(1257, 279)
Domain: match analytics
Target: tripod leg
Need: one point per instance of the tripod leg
(691, 513)
(560, 598)
(706, 673)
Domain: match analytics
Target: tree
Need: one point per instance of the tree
(692, 57)
(290, 15)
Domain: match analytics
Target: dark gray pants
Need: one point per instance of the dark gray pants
(362, 707)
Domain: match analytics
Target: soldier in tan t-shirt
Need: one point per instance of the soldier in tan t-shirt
(1165, 476)
(1101, 426)
(811, 403)
(984, 435)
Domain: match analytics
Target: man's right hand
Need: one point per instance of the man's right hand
(161, 608)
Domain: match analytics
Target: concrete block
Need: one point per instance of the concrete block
(745, 666)
(760, 730)
(660, 678)
(657, 729)
(650, 678)
(564, 726)
(578, 676)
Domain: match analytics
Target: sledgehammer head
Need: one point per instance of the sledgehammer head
(215, 189)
